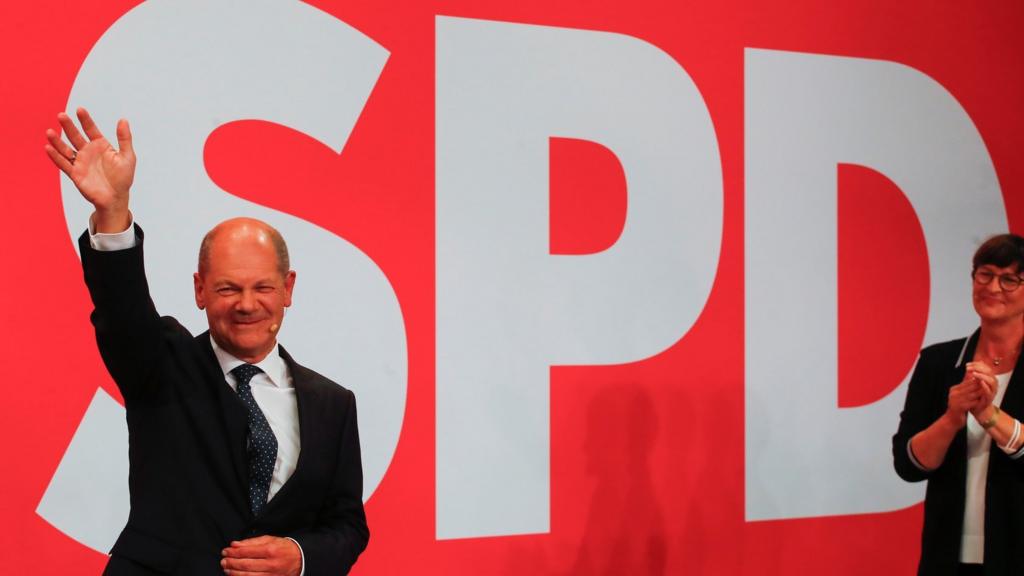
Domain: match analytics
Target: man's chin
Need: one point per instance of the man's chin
(249, 345)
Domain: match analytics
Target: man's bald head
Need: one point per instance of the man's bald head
(244, 229)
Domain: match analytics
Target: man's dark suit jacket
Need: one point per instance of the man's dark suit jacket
(940, 367)
(187, 442)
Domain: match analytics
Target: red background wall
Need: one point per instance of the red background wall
(665, 498)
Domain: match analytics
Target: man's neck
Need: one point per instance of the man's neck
(255, 359)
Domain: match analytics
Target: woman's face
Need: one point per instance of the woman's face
(992, 301)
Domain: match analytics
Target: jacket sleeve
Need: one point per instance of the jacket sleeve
(128, 328)
(340, 535)
(919, 412)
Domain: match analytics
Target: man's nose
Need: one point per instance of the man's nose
(247, 301)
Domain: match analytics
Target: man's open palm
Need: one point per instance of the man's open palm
(102, 174)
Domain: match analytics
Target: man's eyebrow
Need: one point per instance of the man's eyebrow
(268, 281)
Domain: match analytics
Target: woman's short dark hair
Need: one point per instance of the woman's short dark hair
(1002, 250)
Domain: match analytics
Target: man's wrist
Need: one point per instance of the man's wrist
(111, 220)
(121, 240)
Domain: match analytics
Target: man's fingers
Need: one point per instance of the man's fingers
(124, 137)
(60, 145)
(247, 551)
(69, 128)
(59, 160)
(88, 126)
(250, 564)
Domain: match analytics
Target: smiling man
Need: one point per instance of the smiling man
(244, 283)
(242, 461)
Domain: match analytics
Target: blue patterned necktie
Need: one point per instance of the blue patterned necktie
(262, 444)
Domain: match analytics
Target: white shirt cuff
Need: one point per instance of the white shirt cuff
(302, 554)
(111, 242)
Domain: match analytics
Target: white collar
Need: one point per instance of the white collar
(272, 364)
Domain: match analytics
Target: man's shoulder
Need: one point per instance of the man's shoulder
(315, 381)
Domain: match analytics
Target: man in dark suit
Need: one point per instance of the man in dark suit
(241, 460)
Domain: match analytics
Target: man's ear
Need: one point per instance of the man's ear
(289, 285)
(197, 282)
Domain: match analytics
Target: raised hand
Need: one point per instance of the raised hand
(102, 174)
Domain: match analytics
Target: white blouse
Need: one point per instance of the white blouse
(972, 540)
